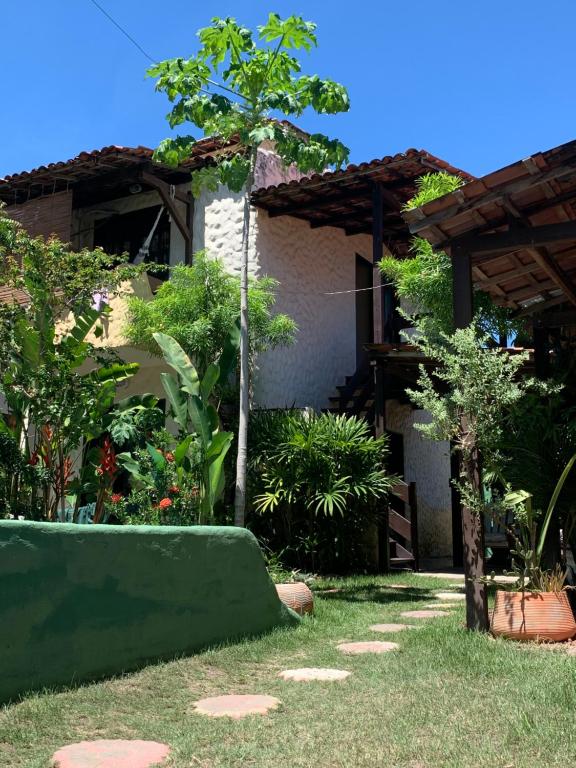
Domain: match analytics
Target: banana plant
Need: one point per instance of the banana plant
(196, 417)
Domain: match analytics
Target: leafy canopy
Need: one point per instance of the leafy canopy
(234, 85)
(199, 305)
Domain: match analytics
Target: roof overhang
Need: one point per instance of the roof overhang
(518, 224)
(345, 198)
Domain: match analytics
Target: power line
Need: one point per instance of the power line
(124, 32)
(151, 58)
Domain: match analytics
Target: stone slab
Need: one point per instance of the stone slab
(314, 673)
(369, 646)
(111, 753)
(236, 706)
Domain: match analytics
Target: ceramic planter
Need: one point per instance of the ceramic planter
(540, 616)
(296, 596)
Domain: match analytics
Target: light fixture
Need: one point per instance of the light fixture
(134, 189)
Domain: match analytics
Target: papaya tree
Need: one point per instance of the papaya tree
(231, 89)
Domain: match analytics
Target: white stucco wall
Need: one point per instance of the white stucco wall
(427, 463)
(308, 263)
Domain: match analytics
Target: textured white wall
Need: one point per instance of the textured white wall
(307, 263)
(427, 463)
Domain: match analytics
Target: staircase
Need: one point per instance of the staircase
(403, 527)
(356, 397)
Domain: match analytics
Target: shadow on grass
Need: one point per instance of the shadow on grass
(371, 594)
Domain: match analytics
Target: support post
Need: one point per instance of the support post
(189, 253)
(377, 248)
(472, 522)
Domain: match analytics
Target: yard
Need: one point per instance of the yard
(446, 698)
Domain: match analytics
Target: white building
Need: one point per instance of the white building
(318, 236)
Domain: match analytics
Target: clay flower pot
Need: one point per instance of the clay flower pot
(533, 616)
(296, 596)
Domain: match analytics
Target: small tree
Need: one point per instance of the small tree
(255, 80)
(199, 305)
(470, 395)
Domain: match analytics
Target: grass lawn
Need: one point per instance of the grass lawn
(447, 698)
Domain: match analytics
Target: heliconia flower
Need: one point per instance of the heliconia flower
(33, 460)
(116, 498)
(164, 503)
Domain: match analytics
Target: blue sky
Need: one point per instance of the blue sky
(479, 84)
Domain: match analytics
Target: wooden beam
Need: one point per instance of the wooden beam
(517, 238)
(164, 192)
(471, 204)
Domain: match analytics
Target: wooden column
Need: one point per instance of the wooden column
(472, 523)
(377, 250)
(189, 252)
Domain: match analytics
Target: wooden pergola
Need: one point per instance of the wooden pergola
(511, 233)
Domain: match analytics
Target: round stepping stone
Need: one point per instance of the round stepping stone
(312, 673)
(390, 627)
(433, 606)
(236, 706)
(111, 753)
(424, 614)
(370, 646)
(396, 586)
(456, 596)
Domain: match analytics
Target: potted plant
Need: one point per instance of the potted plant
(537, 608)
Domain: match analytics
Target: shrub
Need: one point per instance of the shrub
(317, 483)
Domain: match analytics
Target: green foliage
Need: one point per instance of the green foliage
(200, 435)
(53, 406)
(430, 186)
(256, 76)
(317, 481)
(471, 382)
(424, 281)
(530, 532)
(199, 305)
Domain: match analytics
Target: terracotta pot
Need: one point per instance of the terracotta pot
(296, 596)
(533, 616)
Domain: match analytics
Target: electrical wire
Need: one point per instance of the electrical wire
(151, 58)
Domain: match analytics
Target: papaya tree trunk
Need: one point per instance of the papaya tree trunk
(241, 459)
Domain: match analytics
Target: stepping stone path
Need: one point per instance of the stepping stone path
(236, 706)
(311, 673)
(391, 627)
(396, 586)
(370, 646)
(456, 596)
(433, 606)
(111, 753)
(424, 614)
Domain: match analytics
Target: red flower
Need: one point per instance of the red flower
(173, 489)
(169, 456)
(108, 465)
(164, 503)
(33, 460)
(99, 471)
(116, 498)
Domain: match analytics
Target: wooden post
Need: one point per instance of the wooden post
(377, 249)
(189, 252)
(472, 523)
